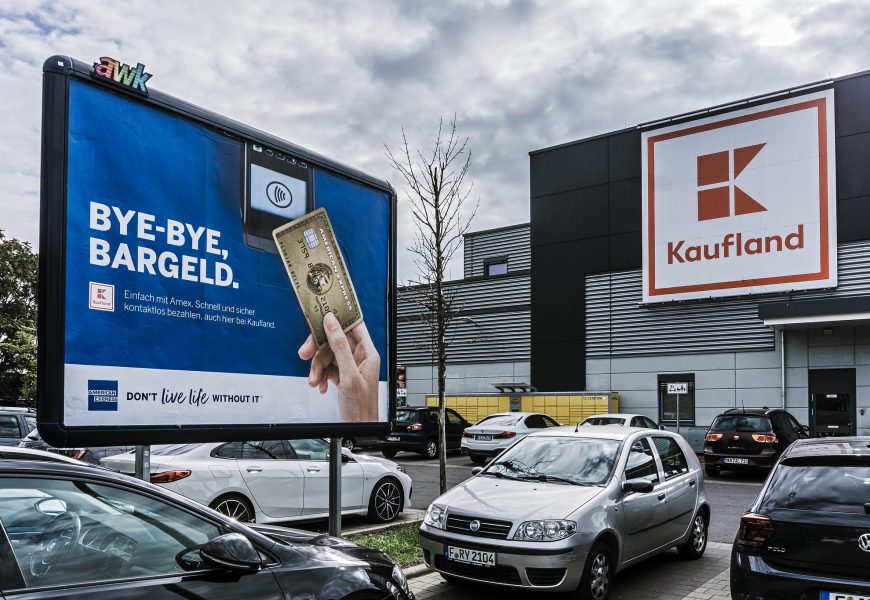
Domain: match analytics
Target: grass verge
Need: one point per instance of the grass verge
(400, 543)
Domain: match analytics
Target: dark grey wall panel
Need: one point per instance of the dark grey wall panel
(853, 158)
(853, 216)
(623, 155)
(569, 168)
(850, 106)
(624, 208)
(582, 214)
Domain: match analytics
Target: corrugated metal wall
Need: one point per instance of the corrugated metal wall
(494, 323)
(512, 242)
(617, 324)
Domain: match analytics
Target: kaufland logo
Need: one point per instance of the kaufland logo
(103, 394)
(101, 296)
(742, 202)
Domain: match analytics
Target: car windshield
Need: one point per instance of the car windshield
(499, 421)
(172, 449)
(603, 421)
(407, 416)
(741, 423)
(571, 460)
(830, 488)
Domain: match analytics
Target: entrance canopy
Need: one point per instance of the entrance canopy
(821, 312)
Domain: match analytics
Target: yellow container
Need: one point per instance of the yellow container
(568, 408)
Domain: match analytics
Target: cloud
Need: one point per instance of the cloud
(343, 78)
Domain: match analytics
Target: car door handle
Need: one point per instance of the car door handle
(691, 483)
(254, 470)
(313, 469)
(661, 496)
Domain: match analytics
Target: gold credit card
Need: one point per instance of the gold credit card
(317, 272)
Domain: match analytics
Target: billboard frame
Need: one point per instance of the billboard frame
(58, 71)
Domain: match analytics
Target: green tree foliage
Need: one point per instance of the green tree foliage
(18, 276)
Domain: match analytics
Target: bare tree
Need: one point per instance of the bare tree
(437, 191)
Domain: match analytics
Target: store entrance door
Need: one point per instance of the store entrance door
(832, 402)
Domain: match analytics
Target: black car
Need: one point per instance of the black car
(741, 439)
(83, 532)
(15, 423)
(808, 533)
(416, 430)
(90, 454)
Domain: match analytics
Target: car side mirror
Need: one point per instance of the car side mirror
(476, 471)
(231, 551)
(637, 485)
(663, 428)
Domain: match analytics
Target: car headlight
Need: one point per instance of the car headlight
(396, 591)
(436, 516)
(401, 469)
(545, 531)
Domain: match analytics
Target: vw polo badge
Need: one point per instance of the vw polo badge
(864, 542)
(475, 525)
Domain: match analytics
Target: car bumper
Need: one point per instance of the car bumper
(540, 567)
(753, 578)
(475, 448)
(406, 441)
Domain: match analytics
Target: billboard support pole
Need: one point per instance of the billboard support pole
(335, 486)
(143, 463)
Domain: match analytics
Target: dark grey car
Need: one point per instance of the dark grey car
(565, 509)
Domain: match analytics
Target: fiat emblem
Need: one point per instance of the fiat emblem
(475, 525)
(864, 542)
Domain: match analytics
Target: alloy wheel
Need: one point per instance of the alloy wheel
(388, 499)
(235, 509)
(431, 448)
(699, 533)
(347, 443)
(599, 578)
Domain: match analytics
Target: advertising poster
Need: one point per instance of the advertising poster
(742, 202)
(177, 310)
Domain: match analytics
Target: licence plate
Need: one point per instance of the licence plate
(841, 596)
(392, 438)
(471, 557)
(735, 461)
(483, 438)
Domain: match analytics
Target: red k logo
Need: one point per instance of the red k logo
(715, 183)
(101, 293)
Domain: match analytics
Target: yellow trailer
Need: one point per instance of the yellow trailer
(568, 408)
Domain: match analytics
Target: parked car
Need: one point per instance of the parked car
(91, 454)
(565, 510)
(491, 435)
(15, 423)
(18, 453)
(77, 532)
(808, 533)
(275, 481)
(622, 420)
(416, 430)
(744, 439)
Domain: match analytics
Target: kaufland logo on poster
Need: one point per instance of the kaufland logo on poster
(102, 296)
(741, 203)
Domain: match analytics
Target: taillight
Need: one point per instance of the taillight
(764, 438)
(755, 531)
(466, 434)
(169, 476)
(76, 453)
(415, 427)
(504, 435)
(712, 437)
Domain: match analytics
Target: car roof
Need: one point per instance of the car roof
(38, 455)
(759, 412)
(614, 416)
(514, 414)
(830, 446)
(607, 432)
(17, 410)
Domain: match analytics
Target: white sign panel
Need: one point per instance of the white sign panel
(741, 203)
(678, 388)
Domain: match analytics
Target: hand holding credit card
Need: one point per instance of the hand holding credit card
(339, 347)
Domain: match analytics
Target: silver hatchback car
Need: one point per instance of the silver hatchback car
(565, 510)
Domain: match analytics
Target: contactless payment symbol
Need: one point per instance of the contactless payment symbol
(101, 296)
(279, 194)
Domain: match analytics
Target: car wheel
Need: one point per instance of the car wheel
(347, 443)
(694, 547)
(431, 448)
(385, 503)
(476, 459)
(389, 452)
(711, 471)
(235, 507)
(597, 577)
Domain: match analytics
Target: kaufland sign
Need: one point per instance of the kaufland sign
(741, 203)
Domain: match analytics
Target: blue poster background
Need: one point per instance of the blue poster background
(127, 154)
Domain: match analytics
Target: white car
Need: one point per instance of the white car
(275, 481)
(492, 434)
(621, 420)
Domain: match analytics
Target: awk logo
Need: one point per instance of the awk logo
(103, 394)
(124, 74)
(715, 183)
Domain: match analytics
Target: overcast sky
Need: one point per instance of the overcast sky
(343, 78)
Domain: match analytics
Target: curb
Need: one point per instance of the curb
(416, 571)
(413, 517)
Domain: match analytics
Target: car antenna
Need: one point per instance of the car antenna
(577, 427)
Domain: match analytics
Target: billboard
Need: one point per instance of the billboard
(742, 202)
(166, 313)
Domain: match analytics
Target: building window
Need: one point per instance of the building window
(496, 266)
(677, 389)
